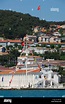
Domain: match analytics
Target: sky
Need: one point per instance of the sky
(50, 10)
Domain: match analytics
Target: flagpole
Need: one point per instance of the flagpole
(26, 57)
(26, 60)
(26, 54)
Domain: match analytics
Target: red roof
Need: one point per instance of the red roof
(3, 41)
(18, 71)
(14, 41)
(9, 40)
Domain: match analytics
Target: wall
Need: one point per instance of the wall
(17, 81)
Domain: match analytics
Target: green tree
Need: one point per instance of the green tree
(52, 46)
(15, 45)
(15, 53)
(60, 70)
(61, 31)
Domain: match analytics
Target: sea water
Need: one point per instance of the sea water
(32, 93)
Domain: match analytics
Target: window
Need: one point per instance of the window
(52, 76)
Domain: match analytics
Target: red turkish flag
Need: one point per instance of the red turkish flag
(22, 44)
(38, 7)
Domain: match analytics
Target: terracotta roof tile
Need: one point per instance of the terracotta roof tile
(14, 41)
(9, 40)
(18, 71)
(3, 41)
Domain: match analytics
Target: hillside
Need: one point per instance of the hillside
(16, 25)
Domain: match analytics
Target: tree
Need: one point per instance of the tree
(15, 45)
(15, 53)
(16, 25)
(53, 55)
(52, 46)
(59, 45)
(20, 47)
(61, 31)
(60, 70)
(4, 59)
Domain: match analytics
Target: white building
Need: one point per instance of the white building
(56, 34)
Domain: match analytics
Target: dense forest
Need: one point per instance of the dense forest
(15, 24)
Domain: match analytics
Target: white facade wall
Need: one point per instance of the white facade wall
(49, 76)
(0, 49)
(51, 39)
(56, 78)
(3, 44)
(41, 51)
(17, 80)
(43, 39)
(36, 50)
(12, 43)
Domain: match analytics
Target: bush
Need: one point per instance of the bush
(10, 65)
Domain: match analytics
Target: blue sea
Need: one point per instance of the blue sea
(32, 93)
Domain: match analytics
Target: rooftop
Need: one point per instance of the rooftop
(19, 71)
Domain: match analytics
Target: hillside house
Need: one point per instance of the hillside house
(4, 43)
(56, 34)
(54, 39)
